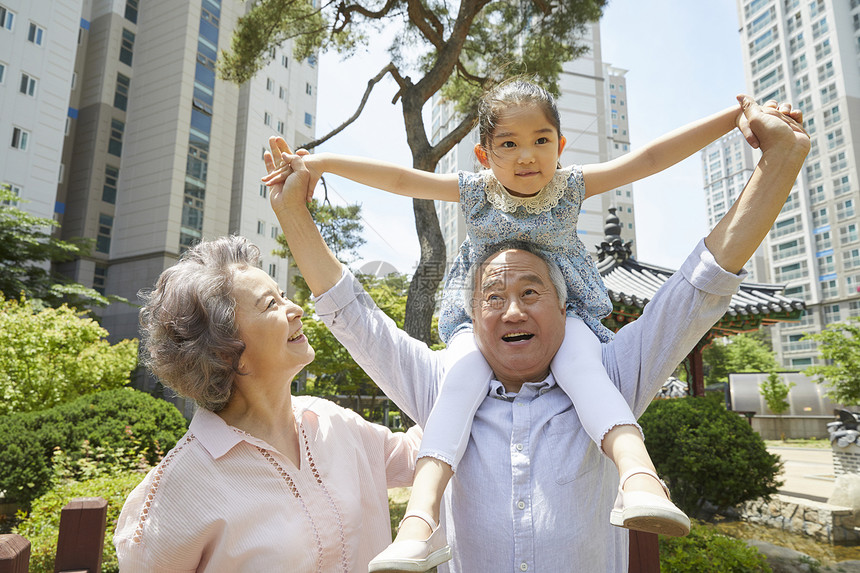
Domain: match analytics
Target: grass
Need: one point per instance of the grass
(813, 443)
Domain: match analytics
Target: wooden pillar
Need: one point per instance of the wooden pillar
(644, 552)
(14, 554)
(82, 535)
(697, 373)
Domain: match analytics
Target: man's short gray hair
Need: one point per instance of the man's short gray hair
(189, 338)
(555, 274)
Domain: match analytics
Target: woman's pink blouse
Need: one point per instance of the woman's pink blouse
(222, 500)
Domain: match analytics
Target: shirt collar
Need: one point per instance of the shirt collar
(528, 390)
(217, 436)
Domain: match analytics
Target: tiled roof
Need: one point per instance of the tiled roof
(631, 284)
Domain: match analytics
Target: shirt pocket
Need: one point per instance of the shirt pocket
(568, 447)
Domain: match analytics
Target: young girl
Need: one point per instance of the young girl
(523, 194)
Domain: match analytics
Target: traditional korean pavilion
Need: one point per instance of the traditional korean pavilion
(631, 284)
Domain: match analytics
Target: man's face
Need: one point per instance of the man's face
(517, 317)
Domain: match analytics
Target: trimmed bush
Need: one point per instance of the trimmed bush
(706, 550)
(708, 454)
(42, 526)
(117, 424)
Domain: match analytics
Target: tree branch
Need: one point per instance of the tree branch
(390, 68)
(344, 13)
(455, 135)
(426, 22)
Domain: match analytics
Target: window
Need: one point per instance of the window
(819, 28)
(273, 270)
(274, 231)
(816, 194)
(835, 138)
(270, 84)
(309, 89)
(35, 34)
(7, 18)
(264, 191)
(281, 127)
(851, 259)
(267, 118)
(2, 72)
(120, 96)
(28, 85)
(126, 50)
(16, 191)
(312, 61)
(826, 265)
(848, 234)
(845, 210)
(285, 61)
(103, 237)
(823, 242)
(99, 279)
(829, 288)
(831, 313)
(829, 94)
(131, 11)
(261, 227)
(74, 79)
(825, 71)
(822, 50)
(282, 93)
(115, 144)
(309, 119)
(838, 162)
(109, 189)
(20, 138)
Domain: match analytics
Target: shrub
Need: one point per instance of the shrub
(708, 454)
(107, 428)
(42, 525)
(706, 550)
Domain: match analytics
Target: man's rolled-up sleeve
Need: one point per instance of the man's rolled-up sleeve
(404, 368)
(644, 353)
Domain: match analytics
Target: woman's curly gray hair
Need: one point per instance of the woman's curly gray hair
(188, 323)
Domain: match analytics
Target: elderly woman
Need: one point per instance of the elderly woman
(263, 480)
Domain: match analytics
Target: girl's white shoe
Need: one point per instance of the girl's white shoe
(414, 555)
(645, 511)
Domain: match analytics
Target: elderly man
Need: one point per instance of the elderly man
(532, 491)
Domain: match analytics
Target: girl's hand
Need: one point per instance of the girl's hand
(743, 122)
(290, 191)
(279, 147)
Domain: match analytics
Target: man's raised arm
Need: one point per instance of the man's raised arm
(318, 265)
(784, 145)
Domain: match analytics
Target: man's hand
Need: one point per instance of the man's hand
(772, 125)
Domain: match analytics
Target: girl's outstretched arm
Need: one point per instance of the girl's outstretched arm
(378, 174)
(663, 152)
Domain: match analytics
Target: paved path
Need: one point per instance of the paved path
(807, 472)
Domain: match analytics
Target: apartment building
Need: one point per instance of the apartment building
(122, 130)
(593, 109)
(37, 55)
(807, 53)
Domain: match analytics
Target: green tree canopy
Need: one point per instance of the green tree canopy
(746, 352)
(49, 356)
(775, 391)
(456, 49)
(27, 249)
(340, 227)
(839, 344)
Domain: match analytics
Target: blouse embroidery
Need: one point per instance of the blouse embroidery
(156, 481)
(545, 199)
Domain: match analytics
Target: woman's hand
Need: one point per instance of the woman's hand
(290, 188)
(278, 175)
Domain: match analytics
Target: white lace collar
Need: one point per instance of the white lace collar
(543, 201)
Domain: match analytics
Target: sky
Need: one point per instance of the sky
(684, 63)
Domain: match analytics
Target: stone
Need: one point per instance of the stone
(782, 559)
(846, 493)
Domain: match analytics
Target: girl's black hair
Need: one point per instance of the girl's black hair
(511, 93)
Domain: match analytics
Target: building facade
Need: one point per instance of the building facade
(807, 53)
(38, 41)
(122, 130)
(593, 110)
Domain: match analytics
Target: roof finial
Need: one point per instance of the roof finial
(612, 245)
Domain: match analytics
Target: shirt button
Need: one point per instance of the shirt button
(519, 447)
(521, 505)
(524, 566)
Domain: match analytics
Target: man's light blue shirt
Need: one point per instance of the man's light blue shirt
(533, 492)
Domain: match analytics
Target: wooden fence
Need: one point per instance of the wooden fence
(82, 536)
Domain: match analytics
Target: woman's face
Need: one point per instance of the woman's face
(269, 325)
